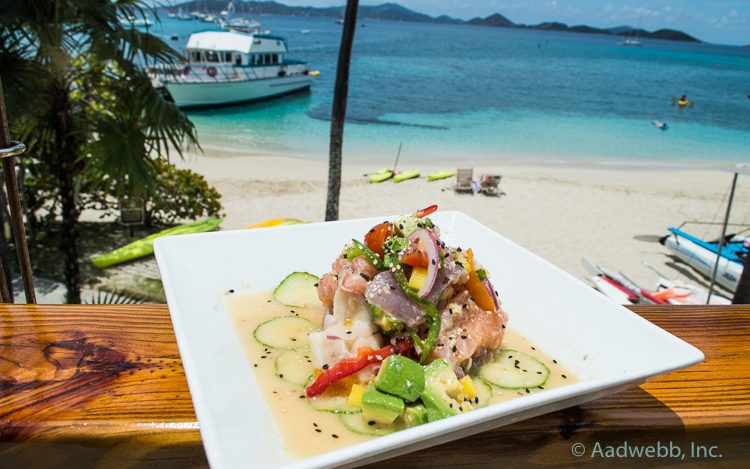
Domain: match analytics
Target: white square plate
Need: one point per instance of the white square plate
(555, 311)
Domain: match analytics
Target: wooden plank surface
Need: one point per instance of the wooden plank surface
(103, 386)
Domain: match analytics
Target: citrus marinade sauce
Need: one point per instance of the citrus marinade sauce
(307, 431)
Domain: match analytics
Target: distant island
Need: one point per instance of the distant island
(396, 12)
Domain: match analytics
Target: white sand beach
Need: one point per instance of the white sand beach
(610, 214)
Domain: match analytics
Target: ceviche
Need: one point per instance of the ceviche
(404, 330)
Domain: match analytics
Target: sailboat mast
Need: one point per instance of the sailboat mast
(722, 240)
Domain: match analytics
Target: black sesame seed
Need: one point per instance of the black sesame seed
(231, 290)
(532, 348)
(454, 349)
(293, 339)
(460, 408)
(315, 425)
(433, 262)
(255, 365)
(458, 249)
(527, 391)
(540, 387)
(565, 377)
(301, 396)
(268, 301)
(554, 361)
(348, 332)
(325, 367)
(450, 405)
(463, 337)
(334, 435)
(315, 284)
(281, 376)
(476, 400)
(503, 326)
(539, 372)
(318, 430)
(371, 423)
(364, 276)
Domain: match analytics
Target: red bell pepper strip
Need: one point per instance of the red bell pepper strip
(349, 366)
(425, 211)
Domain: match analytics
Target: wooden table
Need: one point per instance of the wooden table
(103, 386)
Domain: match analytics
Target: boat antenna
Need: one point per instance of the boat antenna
(722, 240)
(398, 154)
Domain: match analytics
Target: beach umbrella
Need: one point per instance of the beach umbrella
(338, 111)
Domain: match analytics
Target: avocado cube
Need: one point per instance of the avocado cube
(440, 389)
(415, 415)
(380, 407)
(401, 377)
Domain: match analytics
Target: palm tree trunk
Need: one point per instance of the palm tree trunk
(338, 112)
(64, 169)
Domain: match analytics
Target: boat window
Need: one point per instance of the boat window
(238, 59)
(212, 56)
(195, 56)
(227, 57)
(275, 58)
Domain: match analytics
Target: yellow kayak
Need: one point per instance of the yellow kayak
(404, 175)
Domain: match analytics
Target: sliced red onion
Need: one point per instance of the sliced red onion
(333, 337)
(491, 291)
(424, 238)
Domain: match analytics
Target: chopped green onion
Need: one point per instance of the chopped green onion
(371, 257)
(482, 274)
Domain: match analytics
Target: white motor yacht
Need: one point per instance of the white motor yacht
(228, 67)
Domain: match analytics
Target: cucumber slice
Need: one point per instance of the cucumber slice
(298, 289)
(484, 393)
(284, 332)
(512, 369)
(357, 424)
(294, 367)
(333, 404)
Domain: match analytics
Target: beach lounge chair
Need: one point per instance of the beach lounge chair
(490, 183)
(463, 179)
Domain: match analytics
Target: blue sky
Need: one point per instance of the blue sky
(720, 21)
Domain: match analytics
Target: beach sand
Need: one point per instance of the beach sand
(611, 214)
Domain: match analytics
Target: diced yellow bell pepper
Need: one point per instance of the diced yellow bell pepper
(467, 385)
(418, 278)
(355, 396)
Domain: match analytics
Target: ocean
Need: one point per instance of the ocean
(459, 92)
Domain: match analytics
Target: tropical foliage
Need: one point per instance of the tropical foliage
(79, 96)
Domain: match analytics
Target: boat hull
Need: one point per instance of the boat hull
(221, 93)
(701, 259)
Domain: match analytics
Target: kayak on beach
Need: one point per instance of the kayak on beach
(145, 246)
(443, 174)
(381, 175)
(404, 175)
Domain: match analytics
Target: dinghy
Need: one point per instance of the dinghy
(701, 255)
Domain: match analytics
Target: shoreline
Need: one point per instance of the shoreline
(421, 161)
(612, 215)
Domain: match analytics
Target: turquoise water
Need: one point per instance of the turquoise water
(456, 91)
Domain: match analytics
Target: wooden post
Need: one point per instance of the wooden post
(14, 201)
(338, 112)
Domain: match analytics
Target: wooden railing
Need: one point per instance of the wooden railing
(103, 386)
